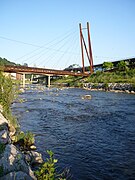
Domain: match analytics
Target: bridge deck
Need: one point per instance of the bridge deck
(34, 70)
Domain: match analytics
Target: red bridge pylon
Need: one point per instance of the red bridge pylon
(89, 50)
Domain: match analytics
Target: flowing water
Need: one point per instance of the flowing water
(94, 138)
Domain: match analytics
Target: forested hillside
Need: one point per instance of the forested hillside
(4, 61)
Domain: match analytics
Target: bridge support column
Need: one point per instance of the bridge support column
(49, 81)
(23, 80)
(31, 79)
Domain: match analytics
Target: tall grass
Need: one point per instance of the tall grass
(7, 94)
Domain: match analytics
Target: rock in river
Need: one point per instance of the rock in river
(86, 97)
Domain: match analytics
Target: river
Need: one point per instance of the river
(94, 138)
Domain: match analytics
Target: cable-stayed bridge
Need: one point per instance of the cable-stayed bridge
(51, 72)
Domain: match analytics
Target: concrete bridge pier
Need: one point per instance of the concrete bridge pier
(31, 79)
(23, 80)
(49, 81)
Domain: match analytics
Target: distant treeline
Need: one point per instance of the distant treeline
(4, 61)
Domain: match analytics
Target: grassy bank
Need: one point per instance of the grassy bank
(113, 77)
(127, 76)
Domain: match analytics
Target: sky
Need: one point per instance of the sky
(45, 33)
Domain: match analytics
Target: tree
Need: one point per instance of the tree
(74, 66)
(107, 65)
(122, 65)
(4, 61)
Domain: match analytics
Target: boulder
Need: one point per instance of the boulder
(14, 161)
(86, 97)
(1, 108)
(28, 158)
(16, 176)
(12, 130)
(21, 90)
(32, 147)
(3, 120)
(4, 138)
(36, 157)
(132, 92)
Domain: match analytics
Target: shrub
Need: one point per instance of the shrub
(7, 94)
(6, 91)
(122, 65)
(29, 139)
(105, 86)
(48, 170)
(107, 65)
(25, 140)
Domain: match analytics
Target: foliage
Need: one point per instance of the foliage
(127, 76)
(122, 65)
(25, 139)
(105, 86)
(29, 139)
(7, 94)
(107, 65)
(48, 170)
(4, 61)
(2, 148)
(112, 77)
(6, 90)
(12, 119)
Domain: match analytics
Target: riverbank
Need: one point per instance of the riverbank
(17, 154)
(112, 87)
(14, 163)
(108, 87)
(119, 81)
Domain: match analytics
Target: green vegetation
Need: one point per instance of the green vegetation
(25, 139)
(4, 61)
(122, 65)
(112, 77)
(7, 94)
(127, 76)
(120, 74)
(48, 170)
(107, 65)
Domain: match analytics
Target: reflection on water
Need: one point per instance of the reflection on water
(94, 138)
